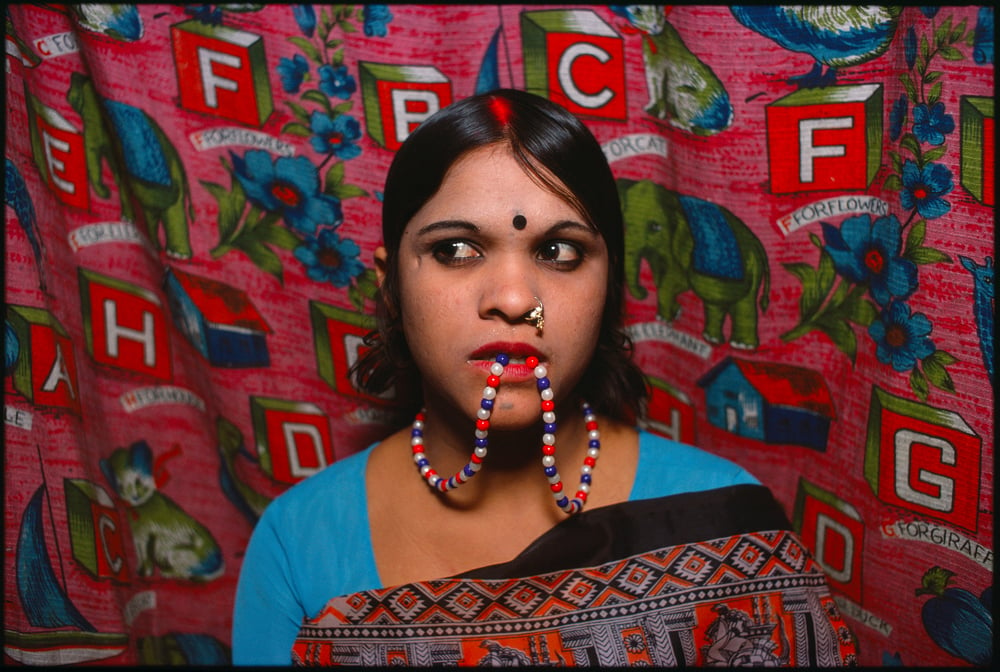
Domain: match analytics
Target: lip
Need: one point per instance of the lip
(484, 356)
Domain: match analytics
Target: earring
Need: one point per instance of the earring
(537, 315)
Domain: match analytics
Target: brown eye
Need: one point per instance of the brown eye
(561, 253)
(454, 251)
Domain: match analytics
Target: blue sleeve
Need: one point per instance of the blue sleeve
(667, 467)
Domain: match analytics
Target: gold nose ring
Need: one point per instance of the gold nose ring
(537, 315)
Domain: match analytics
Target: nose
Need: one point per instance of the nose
(509, 294)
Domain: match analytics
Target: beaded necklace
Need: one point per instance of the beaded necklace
(475, 463)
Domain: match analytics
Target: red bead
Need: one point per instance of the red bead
(531, 361)
(493, 381)
(482, 424)
(592, 425)
(475, 459)
(419, 448)
(548, 450)
(581, 495)
(548, 405)
(420, 416)
(589, 461)
(556, 487)
(430, 474)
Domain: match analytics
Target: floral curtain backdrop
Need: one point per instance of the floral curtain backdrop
(193, 198)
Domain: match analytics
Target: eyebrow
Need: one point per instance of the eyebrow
(462, 225)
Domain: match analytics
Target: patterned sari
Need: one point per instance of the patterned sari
(709, 578)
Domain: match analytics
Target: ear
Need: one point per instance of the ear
(381, 258)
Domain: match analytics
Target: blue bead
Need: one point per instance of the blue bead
(423, 462)
(551, 471)
(503, 359)
(562, 502)
(469, 472)
(550, 428)
(482, 443)
(417, 432)
(594, 443)
(543, 383)
(487, 404)
(585, 478)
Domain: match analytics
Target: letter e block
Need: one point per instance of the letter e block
(669, 412)
(293, 438)
(575, 58)
(977, 162)
(923, 459)
(398, 98)
(338, 337)
(46, 365)
(833, 529)
(222, 72)
(125, 325)
(825, 139)
(58, 151)
(95, 530)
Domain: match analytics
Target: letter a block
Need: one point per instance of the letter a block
(977, 163)
(46, 365)
(293, 438)
(577, 60)
(222, 72)
(825, 139)
(57, 148)
(95, 530)
(670, 412)
(338, 336)
(397, 99)
(923, 459)
(835, 533)
(125, 325)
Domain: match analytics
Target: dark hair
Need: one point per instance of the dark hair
(543, 137)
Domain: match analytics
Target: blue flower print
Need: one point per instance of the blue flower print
(924, 187)
(209, 14)
(930, 126)
(929, 11)
(867, 252)
(896, 117)
(376, 17)
(901, 337)
(288, 186)
(336, 82)
(910, 47)
(305, 16)
(292, 71)
(328, 258)
(335, 136)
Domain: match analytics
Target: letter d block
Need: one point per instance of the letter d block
(670, 412)
(835, 533)
(46, 365)
(125, 325)
(397, 99)
(58, 151)
(825, 139)
(293, 438)
(923, 459)
(977, 163)
(222, 72)
(577, 60)
(95, 530)
(338, 337)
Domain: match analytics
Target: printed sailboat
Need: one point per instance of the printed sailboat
(70, 637)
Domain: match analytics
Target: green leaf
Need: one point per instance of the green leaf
(307, 47)
(896, 161)
(333, 44)
(318, 97)
(934, 95)
(951, 54)
(324, 19)
(916, 237)
(275, 234)
(825, 273)
(893, 183)
(333, 178)
(354, 296)
(841, 334)
(337, 59)
(815, 240)
(343, 107)
(300, 112)
(909, 142)
(918, 383)
(959, 31)
(941, 33)
(263, 258)
(231, 204)
(925, 49)
(937, 375)
(348, 27)
(295, 128)
(344, 191)
(908, 85)
(366, 284)
(934, 153)
(862, 310)
(942, 357)
(931, 77)
(811, 297)
(928, 255)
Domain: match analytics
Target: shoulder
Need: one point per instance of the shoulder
(668, 467)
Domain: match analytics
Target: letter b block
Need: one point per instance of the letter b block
(222, 72)
(576, 59)
(95, 530)
(46, 365)
(397, 99)
(825, 139)
(923, 459)
(293, 438)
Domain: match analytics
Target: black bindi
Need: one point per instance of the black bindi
(520, 222)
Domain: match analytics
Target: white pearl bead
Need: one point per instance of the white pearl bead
(489, 392)
(424, 469)
(418, 424)
(418, 456)
(496, 369)
(586, 469)
(547, 394)
(594, 434)
(416, 440)
(554, 479)
(589, 418)
(549, 439)
(482, 433)
(548, 417)
(475, 467)
(548, 460)
(541, 371)
(593, 452)
(584, 488)
(480, 452)
(483, 414)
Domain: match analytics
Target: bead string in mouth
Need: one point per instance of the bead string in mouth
(485, 410)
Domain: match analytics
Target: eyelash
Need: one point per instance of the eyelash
(443, 252)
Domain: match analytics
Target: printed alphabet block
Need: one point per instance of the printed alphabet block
(978, 148)
(293, 438)
(923, 459)
(577, 60)
(398, 98)
(57, 147)
(46, 365)
(669, 412)
(222, 72)
(825, 139)
(125, 325)
(338, 339)
(835, 533)
(95, 530)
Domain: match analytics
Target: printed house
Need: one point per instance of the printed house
(771, 402)
(218, 319)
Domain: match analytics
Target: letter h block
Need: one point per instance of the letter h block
(923, 459)
(338, 338)
(222, 72)
(293, 438)
(125, 325)
(835, 533)
(46, 365)
(398, 98)
(575, 58)
(57, 147)
(978, 148)
(95, 530)
(825, 139)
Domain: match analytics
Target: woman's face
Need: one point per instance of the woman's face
(468, 277)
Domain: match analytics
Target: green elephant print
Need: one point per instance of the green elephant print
(692, 244)
(153, 172)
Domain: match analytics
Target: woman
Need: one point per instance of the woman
(500, 321)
